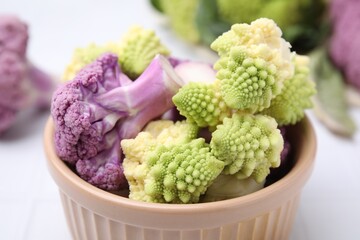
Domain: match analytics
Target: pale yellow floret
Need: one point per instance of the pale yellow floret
(139, 152)
(135, 171)
(169, 133)
(176, 172)
(262, 31)
(155, 127)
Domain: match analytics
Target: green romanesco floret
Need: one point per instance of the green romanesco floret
(160, 132)
(262, 31)
(176, 172)
(136, 50)
(288, 107)
(181, 173)
(253, 65)
(248, 144)
(167, 132)
(182, 17)
(171, 165)
(248, 80)
(201, 103)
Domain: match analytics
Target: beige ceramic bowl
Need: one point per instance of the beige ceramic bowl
(92, 213)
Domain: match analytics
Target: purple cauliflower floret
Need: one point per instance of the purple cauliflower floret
(104, 170)
(22, 85)
(100, 107)
(80, 121)
(345, 39)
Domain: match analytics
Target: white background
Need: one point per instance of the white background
(29, 203)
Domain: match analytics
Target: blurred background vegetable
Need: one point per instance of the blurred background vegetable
(335, 68)
(201, 21)
(345, 39)
(22, 85)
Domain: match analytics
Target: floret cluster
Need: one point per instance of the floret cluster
(111, 126)
(255, 70)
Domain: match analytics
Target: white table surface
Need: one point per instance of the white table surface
(30, 207)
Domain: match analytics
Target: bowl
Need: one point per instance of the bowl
(269, 213)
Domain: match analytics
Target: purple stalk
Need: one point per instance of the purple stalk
(157, 84)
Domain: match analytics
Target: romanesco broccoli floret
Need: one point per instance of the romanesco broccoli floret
(160, 132)
(248, 144)
(178, 170)
(181, 173)
(201, 103)
(248, 80)
(288, 107)
(169, 166)
(261, 31)
(136, 50)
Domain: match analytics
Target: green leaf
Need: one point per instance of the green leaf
(331, 105)
(304, 37)
(313, 29)
(208, 22)
(157, 5)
